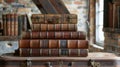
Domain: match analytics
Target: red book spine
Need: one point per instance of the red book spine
(24, 43)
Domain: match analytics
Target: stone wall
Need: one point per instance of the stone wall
(79, 7)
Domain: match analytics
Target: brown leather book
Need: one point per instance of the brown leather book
(24, 52)
(70, 18)
(44, 52)
(58, 35)
(51, 27)
(72, 27)
(8, 25)
(83, 44)
(53, 18)
(54, 27)
(72, 44)
(26, 35)
(50, 35)
(24, 43)
(34, 43)
(54, 52)
(35, 52)
(54, 35)
(82, 35)
(35, 35)
(15, 24)
(44, 27)
(36, 27)
(53, 44)
(66, 35)
(4, 18)
(38, 18)
(57, 27)
(43, 35)
(64, 27)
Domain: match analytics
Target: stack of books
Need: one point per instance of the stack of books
(53, 35)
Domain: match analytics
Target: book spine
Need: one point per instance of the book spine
(4, 24)
(54, 19)
(24, 43)
(54, 27)
(35, 44)
(70, 19)
(53, 44)
(16, 25)
(54, 35)
(24, 52)
(53, 52)
(38, 18)
(12, 25)
(8, 25)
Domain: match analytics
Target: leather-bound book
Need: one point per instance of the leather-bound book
(66, 35)
(50, 35)
(75, 35)
(51, 27)
(43, 35)
(44, 52)
(73, 52)
(53, 44)
(64, 52)
(54, 52)
(34, 43)
(35, 52)
(15, 25)
(70, 18)
(44, 27)
(36, 27)
(24, 52)
(26, 35)
(44, 43)
(4, 18)
(63, 44)
(54, 27)
(82, 35)
(83, 44)
(38, 18)
(83, 52)
(64, 27)
(9, 31)
(35, 35)
(72, 44)
(53, 18)
(57, 27)
(24, 43)
(58, 35)
(72, 27)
